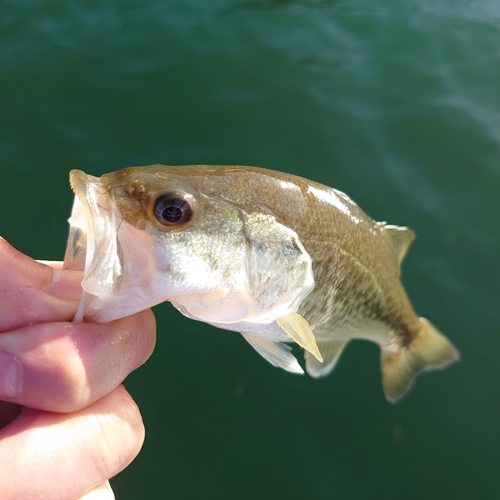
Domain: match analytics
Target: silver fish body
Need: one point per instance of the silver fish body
(276, 257)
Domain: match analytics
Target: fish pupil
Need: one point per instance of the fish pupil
(172, 214)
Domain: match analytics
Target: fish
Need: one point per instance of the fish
(278, 258)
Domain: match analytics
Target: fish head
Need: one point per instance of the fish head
(145, 235)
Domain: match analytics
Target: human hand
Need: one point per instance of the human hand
(67, 424)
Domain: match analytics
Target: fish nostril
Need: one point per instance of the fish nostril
(135, 190)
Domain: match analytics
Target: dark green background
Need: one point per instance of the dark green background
(397, 103)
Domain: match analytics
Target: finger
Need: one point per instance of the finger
(68, 455)
(34, 293)
(64, 367)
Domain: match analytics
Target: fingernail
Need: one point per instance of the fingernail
(10, 375)
(66, 284)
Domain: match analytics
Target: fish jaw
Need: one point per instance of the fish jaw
(118, 260)
(92, 245)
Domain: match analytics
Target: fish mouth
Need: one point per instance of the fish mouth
(93, 245)
(119, 261)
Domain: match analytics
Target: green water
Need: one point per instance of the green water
(397, 103)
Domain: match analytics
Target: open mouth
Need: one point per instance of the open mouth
(119, 261)
(93, 245)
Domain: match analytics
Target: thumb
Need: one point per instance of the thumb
(31, 292)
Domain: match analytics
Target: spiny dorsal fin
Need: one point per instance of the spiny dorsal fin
(331, 351)
(299, 330)
(277, 353)
(401, 240)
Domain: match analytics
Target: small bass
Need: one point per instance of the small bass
(278, 258)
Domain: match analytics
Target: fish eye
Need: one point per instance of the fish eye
(172, 211)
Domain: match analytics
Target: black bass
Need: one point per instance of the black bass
(273, 256)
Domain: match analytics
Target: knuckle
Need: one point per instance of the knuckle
(60, 375)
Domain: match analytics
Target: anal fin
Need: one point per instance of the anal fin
(277, 353)
(331, 351)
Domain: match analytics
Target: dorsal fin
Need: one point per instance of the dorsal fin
(401, 240)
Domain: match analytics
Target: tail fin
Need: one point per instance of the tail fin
(430, 350)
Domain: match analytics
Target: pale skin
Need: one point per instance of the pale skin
(67, 425)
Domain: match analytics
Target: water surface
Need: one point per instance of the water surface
(396, 103)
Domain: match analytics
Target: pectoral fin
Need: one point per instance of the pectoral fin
(299, 330)
(277, 353)
(331, 351)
